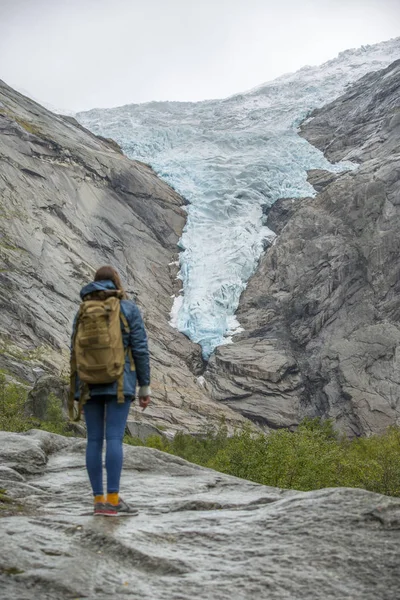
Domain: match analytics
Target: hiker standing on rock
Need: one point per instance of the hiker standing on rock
(109, 353)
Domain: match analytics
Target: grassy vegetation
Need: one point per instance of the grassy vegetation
(4, 499)
(312, 457)
(13, 397)
(8, 506)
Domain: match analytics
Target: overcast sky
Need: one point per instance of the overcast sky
(81, 54)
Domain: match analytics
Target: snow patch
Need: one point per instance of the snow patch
(176, 307)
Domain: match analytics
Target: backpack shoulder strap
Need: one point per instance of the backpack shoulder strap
(124, 321)
(125, 324)
(73, 372)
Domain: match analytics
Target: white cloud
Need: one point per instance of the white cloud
(85, 53)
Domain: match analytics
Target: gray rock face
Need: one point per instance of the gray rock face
(141, 430)
(69, 203)
(38, 397)
(321, 315)
(280, 213)
(199, 534)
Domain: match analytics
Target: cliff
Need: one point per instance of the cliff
(321, 314)
(70, 202)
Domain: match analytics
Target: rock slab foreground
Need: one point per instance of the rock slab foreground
(199, 533)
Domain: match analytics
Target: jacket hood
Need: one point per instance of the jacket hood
(97, 286)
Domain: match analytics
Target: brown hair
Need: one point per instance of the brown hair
(109, 273)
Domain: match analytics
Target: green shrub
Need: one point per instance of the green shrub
(55, 421)
(312, 457)
(374, 463)
(13, 397)
(12, 402)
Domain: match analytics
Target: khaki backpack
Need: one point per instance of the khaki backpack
(98, 353)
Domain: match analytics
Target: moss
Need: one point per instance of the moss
(11, 571)
(8, 506)
(6, 244)
(29, 127)
(8, 373)
(35, 355)
(65, 373)
(26, 125)
(10, 215)
(4, 499)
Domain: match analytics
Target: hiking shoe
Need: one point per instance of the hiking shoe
(100, 508)
(122, 508)
(107, 510)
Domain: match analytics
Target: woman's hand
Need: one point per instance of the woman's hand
(144, 401)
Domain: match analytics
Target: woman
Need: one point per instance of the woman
(105, 409)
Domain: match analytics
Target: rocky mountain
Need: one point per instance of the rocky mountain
(231, 159)
(70, 202)
(321, 314)
(199, 534)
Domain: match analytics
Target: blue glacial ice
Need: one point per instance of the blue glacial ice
(230, 159)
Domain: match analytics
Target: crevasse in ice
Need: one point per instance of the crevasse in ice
(231, 158)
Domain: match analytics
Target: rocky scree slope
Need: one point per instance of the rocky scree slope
(70, 202)
(199, 534)
(321, 314)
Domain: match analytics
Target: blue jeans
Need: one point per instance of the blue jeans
(105, 417)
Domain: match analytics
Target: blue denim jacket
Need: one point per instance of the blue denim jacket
(136, 339)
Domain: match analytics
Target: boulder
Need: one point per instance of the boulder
(47, 388)
(141, 430)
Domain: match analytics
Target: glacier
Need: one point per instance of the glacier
(231, 159)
